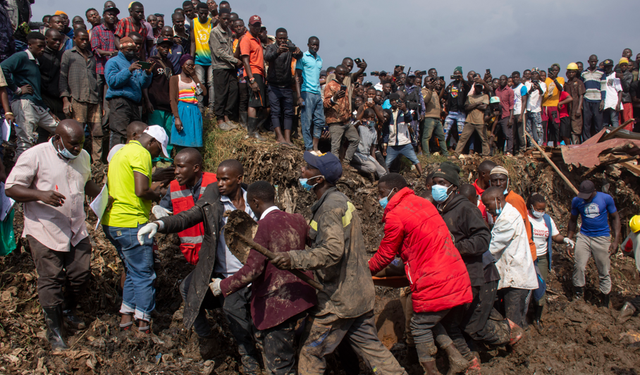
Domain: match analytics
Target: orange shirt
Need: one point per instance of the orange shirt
(518, 202)
(251, 46)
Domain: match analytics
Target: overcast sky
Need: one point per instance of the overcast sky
(503, 35)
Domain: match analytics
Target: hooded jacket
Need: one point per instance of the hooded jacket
(470, 233)
(414, 230)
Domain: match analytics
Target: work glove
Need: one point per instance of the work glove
(148, 230)
(570, 243)
(159, 212)
(214, 285)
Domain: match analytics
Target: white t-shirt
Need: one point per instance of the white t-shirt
(535, 98)
(613, 88)
(518, 93)
(541, 234)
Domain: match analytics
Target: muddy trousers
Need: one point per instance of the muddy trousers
(424, 326)
(347, 131)
(236, 309)
(514, 303)
(479, 320)
(598, 247)
(280, 344)
(325, 333)
(54, 267)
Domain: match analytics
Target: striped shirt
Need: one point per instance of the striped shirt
(187, 92)
(593, 83)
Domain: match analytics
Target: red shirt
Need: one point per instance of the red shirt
(481, 206)
(506, 100)
(251, 46)
(564, 110)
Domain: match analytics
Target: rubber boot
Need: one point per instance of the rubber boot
(605, 300)
(538, 316)
(626, 312)
(252, 129)
(55, 330)
(457, 363)
(474, 367)
(68, 313)
(244, 119)
(430, 367)
(579, 293)
(517, 333)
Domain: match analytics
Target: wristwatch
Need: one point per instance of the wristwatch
(252, 80)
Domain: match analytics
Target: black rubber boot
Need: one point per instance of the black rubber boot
(69, 314)
(578, 293)
(55, 329)
(252, 129)
(244, 119)
(605, 300)
(538, 316)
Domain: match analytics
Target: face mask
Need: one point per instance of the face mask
(66, 153)
(537, 214)
(384, 201)
(498, 209)
(506, 190)
(304, 182)
(439, 193)
(371, 124)
(129, 54)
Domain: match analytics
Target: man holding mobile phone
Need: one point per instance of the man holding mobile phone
(125, 79)
(337, 111)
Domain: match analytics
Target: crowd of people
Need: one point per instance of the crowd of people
(131, 92)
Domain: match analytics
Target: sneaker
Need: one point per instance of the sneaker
(517, 333)
(226, 126)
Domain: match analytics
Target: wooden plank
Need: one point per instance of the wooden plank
(553, 165)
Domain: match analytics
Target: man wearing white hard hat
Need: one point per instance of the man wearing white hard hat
(130, 186)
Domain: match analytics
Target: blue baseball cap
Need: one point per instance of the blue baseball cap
(328, 164)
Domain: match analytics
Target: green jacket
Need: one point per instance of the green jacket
(338, 257)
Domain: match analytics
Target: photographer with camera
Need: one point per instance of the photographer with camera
(455, 95)
(536, 89)
(280, 78)
(431, 125)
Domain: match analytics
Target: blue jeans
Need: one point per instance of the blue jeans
(407, 150)
(139, 294)
(459, 118)
(281, 101)
(534, 127)
(610, 117)
(312, 113)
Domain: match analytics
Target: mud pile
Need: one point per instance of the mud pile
(577, 338)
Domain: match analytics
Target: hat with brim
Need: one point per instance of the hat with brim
(328, 164)
(158, 133)
(111, 9)
(586, 189)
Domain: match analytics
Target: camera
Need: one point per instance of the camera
(292, 47)
(357, 60)
(421, 72)
(343, 88)
(374, 73)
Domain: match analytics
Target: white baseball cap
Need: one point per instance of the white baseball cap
(157, 132)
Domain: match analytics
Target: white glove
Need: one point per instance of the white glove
(569, 242)
(150, 229)
(159, 212)
(214, 285)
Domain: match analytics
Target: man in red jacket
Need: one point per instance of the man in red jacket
(279, 299)
(439, 279)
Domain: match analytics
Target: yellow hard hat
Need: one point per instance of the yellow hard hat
(572, 66)
(634, 224)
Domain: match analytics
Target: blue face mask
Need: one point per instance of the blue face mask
(304, 182)
(384, 201)
(66, 153)
(371, 124)
(439, 193)
(498, 209)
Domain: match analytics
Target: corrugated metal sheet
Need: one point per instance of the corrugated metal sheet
(587, 154)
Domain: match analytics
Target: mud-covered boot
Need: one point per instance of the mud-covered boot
(55, 330)
(208, 346)
(578, 293)
(244, 118)
(605, 300)
(626, 312)
(537, 320)
(430, 367)
(457, 363)
(252, 129)
(517, 333)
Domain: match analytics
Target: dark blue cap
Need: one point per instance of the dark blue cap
(328, 164)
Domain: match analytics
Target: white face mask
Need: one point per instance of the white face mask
(536, 214)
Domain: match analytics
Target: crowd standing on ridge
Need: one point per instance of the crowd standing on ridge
(131, 92)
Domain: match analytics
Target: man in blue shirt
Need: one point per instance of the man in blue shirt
(125, 81)
(594, 237)
(310, 99)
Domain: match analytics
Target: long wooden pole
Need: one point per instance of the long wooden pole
(270, 255)
(553, 165)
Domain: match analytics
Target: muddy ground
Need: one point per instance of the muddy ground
(578, 338)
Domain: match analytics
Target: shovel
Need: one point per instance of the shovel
(238, 234)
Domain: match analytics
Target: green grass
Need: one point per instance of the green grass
(219, 145)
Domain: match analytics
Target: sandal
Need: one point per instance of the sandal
(127, 326)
